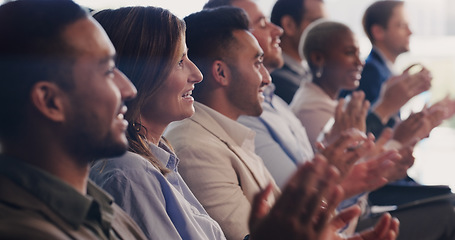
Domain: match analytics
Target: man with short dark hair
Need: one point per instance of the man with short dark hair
(64, 102)
(293, 16)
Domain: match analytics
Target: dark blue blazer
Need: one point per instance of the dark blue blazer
(374, 74)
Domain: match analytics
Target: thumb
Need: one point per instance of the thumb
(259, 207)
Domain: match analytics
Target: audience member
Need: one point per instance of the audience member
(151, 51)
(332, 53)
(211, 143)
(280, 140)
(64, 102)
(293, 16)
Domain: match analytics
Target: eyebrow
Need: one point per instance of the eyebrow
(107, 59)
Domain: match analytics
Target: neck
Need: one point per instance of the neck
(51, 157)
(327, 88)
(389, 55)
(289, 47)
(154, 130)
(218, 101)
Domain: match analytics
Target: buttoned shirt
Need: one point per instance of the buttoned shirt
(281, 140)
(163, 206)
(90, 216)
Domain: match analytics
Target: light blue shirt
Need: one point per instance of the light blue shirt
(164, 207)
(281, 140)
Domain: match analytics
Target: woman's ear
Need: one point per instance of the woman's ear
(317, 58)
(221, 72)
(48, 99)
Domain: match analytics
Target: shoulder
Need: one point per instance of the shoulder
(129, 168)
(28, 227)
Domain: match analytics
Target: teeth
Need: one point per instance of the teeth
(187, 94)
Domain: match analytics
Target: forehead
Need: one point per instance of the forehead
(251, 8)
(314, 9)
(246, 45)
(343, 39)
(87, 38)
(398, 14)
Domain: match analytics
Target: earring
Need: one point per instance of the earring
(319, 72)
(137, 126)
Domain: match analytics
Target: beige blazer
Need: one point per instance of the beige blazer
(23, 216)
(218, 163)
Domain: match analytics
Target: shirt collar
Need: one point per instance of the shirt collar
(387, 62)
(60, 197)
(296, 66)
(165, 155)
(242, 136)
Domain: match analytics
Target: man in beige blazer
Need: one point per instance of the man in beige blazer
(62, 107)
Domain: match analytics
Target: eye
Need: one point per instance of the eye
(110, 71)
(262, 23)
(181, 63)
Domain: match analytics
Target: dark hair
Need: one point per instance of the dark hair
(209, 37)
(293, 8)
(147, 40)
(32, 50)
(320, 36)
(378, 13)
(218, 3)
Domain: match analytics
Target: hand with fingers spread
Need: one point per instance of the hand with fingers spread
(399, 171)
(306, 206)
(300, 212)
(353, 115)
(370, 174)
(411, 129)
(398, 90)
(351, 145)
(386, 228)
(448, 105)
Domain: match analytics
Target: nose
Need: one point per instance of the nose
(196, 75)
(266, 78)
(127, 90)
(277, 31)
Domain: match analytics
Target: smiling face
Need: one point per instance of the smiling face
(266, 33)
(94, 118)
(173, 100)
(249, 77)
(342, 65)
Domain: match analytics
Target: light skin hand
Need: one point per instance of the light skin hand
(370, 174)
(398, 90)
(386, 228)
(401, 165)
(299, 212)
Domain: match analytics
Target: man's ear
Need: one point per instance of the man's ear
(377, 32)
(221, 72)
(289, 25)
(47, 98)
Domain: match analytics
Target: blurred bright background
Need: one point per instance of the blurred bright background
(433, 24)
